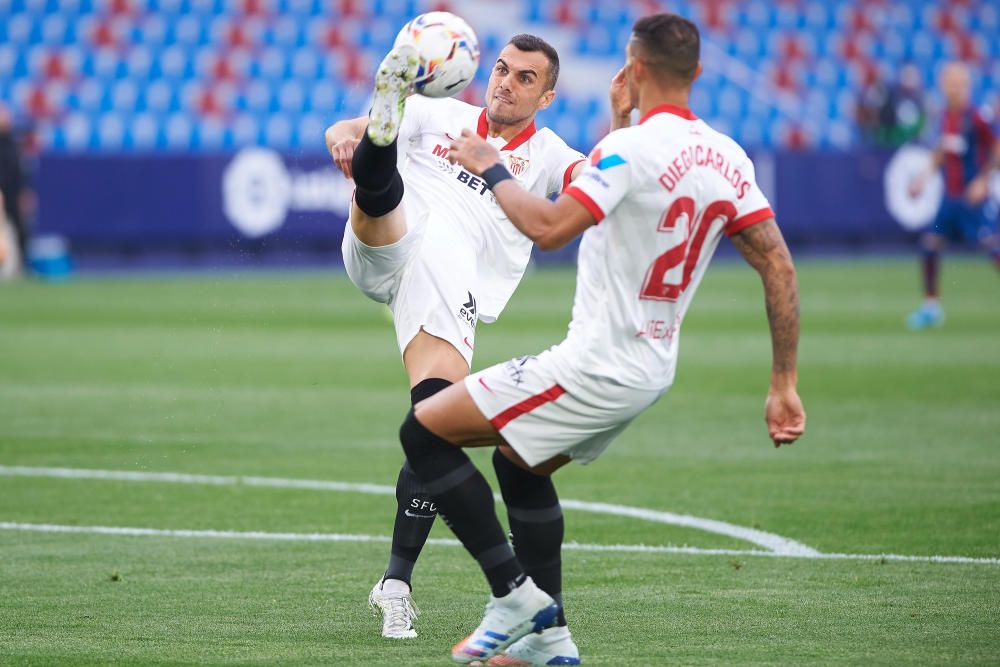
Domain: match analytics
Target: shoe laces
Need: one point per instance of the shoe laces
(398, 612)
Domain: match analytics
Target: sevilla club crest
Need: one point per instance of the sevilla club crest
(518, 165)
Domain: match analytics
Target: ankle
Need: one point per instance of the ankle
(502, 589)
(395, 586)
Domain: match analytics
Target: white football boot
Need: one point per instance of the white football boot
(393, 82)
(554, 646)
(524, 610)
(391, 598)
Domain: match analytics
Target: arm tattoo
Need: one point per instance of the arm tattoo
(764, 249)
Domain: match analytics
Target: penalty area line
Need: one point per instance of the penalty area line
(569, 546)
(772, 542)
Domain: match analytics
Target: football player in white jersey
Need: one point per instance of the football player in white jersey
(652, 204)
(427, 238)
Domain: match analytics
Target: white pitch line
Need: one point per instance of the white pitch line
(776, 543)
(570, 546)
(185, 478)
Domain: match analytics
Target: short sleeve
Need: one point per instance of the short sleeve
(562, 161)
(751, 204)
(606, 179)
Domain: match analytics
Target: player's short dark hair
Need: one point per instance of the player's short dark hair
(670, 44)
(531, 43)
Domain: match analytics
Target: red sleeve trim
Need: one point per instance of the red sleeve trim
(588, 203)
(739, 224)
(568, 174)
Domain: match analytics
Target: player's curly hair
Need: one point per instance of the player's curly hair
(530, 43)
(670, 44)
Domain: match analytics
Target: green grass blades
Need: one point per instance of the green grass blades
(297, 377)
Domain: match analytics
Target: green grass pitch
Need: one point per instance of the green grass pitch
(297, 376)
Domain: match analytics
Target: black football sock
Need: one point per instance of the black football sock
(536, 524)
(428, 388)
(931, 262)
(378, 185)
(465, 501)
(415, 511)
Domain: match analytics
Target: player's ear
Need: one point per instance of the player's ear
(638, 70)
(546, 99)
(697, 72)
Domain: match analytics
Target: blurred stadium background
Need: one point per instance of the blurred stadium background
(133, 112)
(165, 137)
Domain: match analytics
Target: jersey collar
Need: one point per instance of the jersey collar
(686, 114)
(525, 134)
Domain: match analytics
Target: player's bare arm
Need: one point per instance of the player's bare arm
(979, 187)
(341, 139)
(550, 225)
(921, 180)
(764, 248)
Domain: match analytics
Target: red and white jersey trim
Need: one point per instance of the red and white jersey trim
(750, 219)
(568, 175)
(588, 203)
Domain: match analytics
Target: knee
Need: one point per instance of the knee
(932, 242)
(521, 487)
(410, 436)
(421, 444)
(509, 474)
(376, 201)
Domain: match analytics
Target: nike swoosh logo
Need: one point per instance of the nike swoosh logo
(417, 516)
(466, 341)
(457, 83)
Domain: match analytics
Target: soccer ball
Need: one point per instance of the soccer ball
(448, 52)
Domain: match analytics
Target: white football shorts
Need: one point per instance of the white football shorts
(428, 279)
(540, 419)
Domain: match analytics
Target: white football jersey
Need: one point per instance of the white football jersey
(441, 193)
(663, 192)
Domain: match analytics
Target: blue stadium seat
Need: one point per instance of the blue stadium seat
(246, 130)
(128, 81)
(210, 135)
(279, 131)
(178, 131)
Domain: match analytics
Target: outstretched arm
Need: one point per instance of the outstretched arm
(551, 225)
(342, 138)
(921, 180)
(764, 249)
(978, 188)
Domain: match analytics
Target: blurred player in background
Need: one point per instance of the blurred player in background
(3, 240)
(968, 152)
(891, 114)
(652, 205)
(13, 222)
(427, 238)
